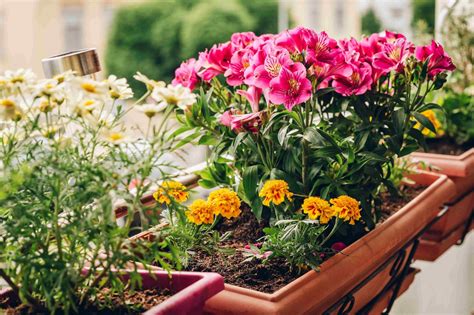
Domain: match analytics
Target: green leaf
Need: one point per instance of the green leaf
(208, 140)
(422, 119)
(204, 183)
(250, 181)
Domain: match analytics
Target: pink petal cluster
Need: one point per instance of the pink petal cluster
(289, 67)
(439, 60)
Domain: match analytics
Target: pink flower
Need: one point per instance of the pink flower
(216, 61)
(439, 60)
(291, 87)
(226, 119)
(357, 83)
(321, 48)
(294, 40)
(324, 71)
(271, 68)
(186, 74)
(242, 122)
(253, 95)
(338, 246)
(242, 40)
(239, 62)
(393, 55)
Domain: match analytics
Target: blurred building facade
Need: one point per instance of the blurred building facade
(339, 18)
(394, 15)
(34, 29)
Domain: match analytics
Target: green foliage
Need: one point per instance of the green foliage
(145, 38)
(265, 13)
(212, 22)
(459, 113)
(298, 241)
(156, 36)
(61, 178)
(424, 10)
(370, 22)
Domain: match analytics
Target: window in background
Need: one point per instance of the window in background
(339, 16)
(72, 16)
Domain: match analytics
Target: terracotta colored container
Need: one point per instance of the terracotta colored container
(313, 293)
(460, 170)
(432, 250)
(384, 300)
(193, 289)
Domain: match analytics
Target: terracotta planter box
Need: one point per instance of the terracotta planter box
(314, 293)
(384, 300)
(193, 289)
(432, 250)
(460, 169)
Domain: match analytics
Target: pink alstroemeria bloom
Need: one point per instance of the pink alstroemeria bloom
(323, 72)
(186, 74)
(321, 48)
(242, 40)
(393, 55)
(338, 246)
(391, 36)
(271, 68)
(359, 82)
(242, 122)
(294, 40)
(369, 46)
(439, 60)
(216, 61)
(253, 95)
(291, 87)
(239, 62)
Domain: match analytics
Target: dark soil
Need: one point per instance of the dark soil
(130, 303)
(275, 273)
(446, 146)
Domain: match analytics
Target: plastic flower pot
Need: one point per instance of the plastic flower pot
(315, 292)
(342, 272)
(192, 290)
(460, 169)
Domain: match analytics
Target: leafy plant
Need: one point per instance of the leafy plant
(66, 160)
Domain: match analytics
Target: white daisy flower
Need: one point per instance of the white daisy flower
(115, 137)
(174, 95)
(20, 77)
(10, 109)
(151, 110)
(91, 88)
(119, 88)
(150, 84)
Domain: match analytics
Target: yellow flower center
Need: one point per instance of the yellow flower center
(396, 53)
(18, 80)
(7, 103)
(89, 103)
(116, 136)
(89, 87)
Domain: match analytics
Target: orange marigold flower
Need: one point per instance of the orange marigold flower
(275, 190)
(346, 208)
(200, 211)
(225, 202)
(316, 207)
(173, 189)
(430, 114)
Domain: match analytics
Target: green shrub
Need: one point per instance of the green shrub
(265, 13)
(213, 22)
(134, 43)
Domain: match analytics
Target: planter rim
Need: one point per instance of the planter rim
(453, 165)
(202, 286)
(439, 180)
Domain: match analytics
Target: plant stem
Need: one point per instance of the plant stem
(334, 229)
(16, 290)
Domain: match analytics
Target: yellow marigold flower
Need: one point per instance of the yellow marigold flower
(275, 190)
(225, 202)
(346, 208)
(200, 211)
(173, 189)
(432, 118)
(316, 207)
